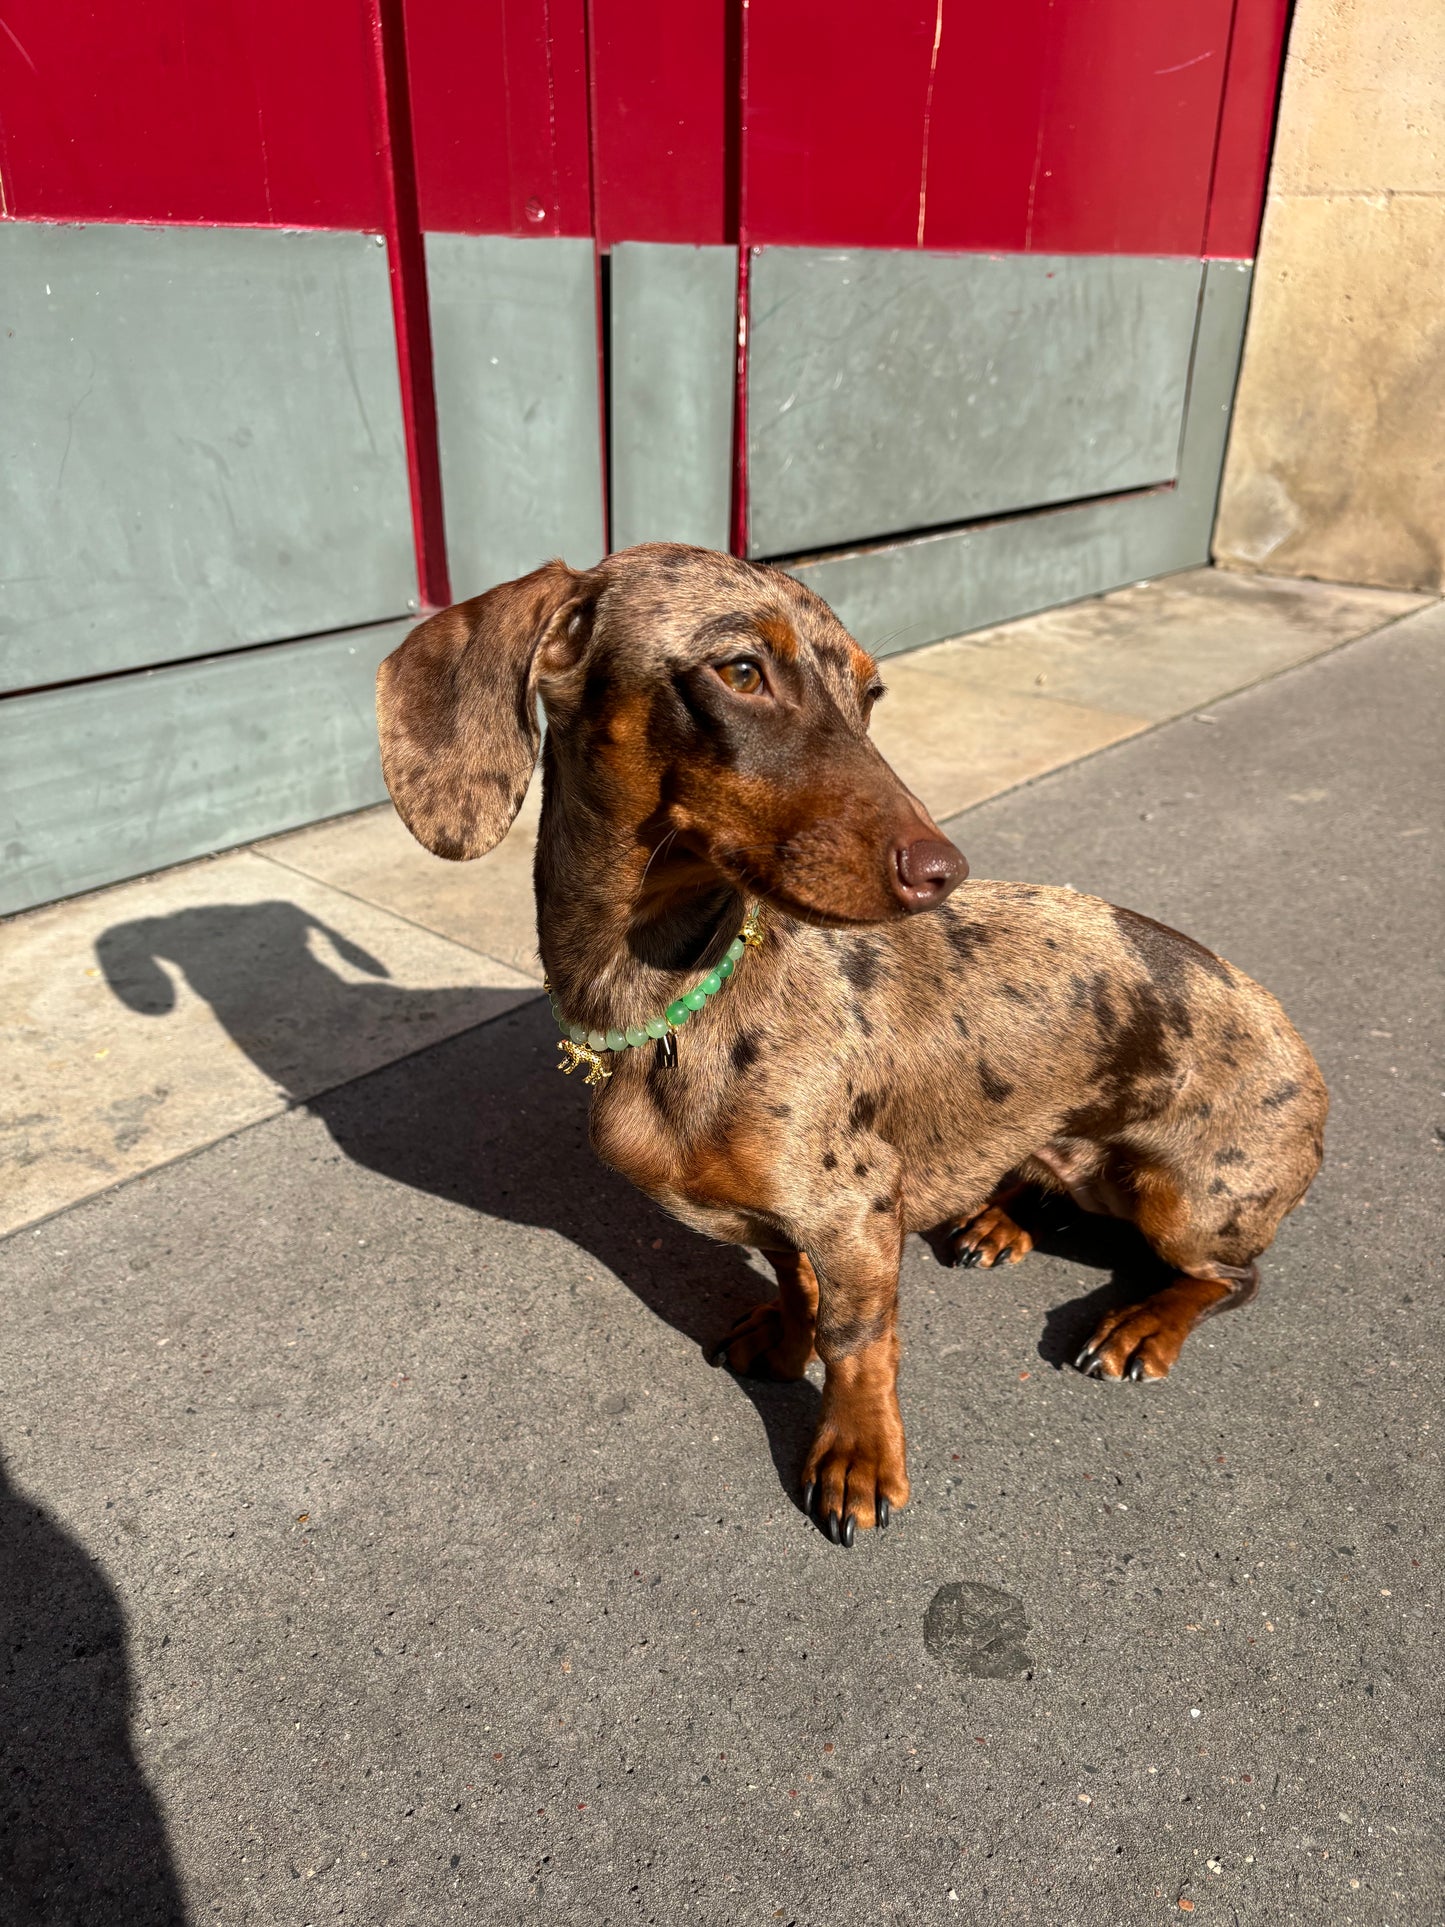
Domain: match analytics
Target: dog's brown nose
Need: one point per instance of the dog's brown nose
(924, 869)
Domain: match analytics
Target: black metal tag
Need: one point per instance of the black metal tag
(666, 1057)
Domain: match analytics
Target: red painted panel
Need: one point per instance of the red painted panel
(1246, 128)
(983, 128)
(1055, 127)
(1131, 111)
(244, 112)
(665, 84)
(835, 95)
(500, 115)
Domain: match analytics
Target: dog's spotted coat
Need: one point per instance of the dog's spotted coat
(869, 1072)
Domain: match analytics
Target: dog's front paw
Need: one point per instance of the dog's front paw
(764, 1343)
(856, 1476)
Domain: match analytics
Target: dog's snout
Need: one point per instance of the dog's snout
(923, 869)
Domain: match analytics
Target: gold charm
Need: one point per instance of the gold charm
(575, 1054)
(752, 930)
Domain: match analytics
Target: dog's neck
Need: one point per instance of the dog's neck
(625, 923)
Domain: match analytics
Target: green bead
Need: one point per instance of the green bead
(616, 1040)
(678, 1014)
(736, 948)
(597, 1039)
(636, 1036)
(711, 983)
(695, 999)
(578, 1033)
(657, 1027)
(726, 967)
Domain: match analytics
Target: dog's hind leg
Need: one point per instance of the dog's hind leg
(989, 1237)
(775, 1340)
(1143, 1341)
(1215, 1271)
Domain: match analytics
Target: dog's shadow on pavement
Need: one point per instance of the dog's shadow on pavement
(481, 1119)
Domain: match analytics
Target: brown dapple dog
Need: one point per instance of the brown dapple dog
(871, 1070)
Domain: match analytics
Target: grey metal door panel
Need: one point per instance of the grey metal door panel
(902, 595)
(514, 342)
(202, 444)
(891, 390)
(674, 355)
(106, 780)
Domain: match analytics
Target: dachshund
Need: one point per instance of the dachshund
(905, 1049)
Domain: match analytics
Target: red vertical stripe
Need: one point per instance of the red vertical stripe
(603, 318)
(738, 191)
(407, 259)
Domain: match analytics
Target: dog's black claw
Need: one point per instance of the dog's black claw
(885, 1511)
(850, 1531)
(967, 1257)
(1136, 1370)
(1081, 1363)
(808, 1490)
(835, 1528)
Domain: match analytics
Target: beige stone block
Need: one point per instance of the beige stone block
(1161, 648)
(1363, 105)
(487, 904)
(955, 741)
(1336, 461)
(145, 1021)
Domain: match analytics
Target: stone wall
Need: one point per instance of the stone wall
(1336, 462)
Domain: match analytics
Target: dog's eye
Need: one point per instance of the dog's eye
(743, 676)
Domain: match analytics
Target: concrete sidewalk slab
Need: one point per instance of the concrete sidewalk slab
(144, 1021)
(1159, 649)
(389, 1554)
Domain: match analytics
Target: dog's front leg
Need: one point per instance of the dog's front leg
(856, 1472)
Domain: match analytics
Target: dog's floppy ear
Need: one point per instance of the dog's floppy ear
(456, 706)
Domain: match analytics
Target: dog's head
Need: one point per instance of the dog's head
(710, 702)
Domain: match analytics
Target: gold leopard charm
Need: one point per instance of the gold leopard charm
(575, 1054)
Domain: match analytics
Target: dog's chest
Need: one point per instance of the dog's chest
(687, 1150)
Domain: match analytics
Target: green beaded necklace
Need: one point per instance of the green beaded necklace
(582, 1046)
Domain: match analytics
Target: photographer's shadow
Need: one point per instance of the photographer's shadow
(81, 1835)
(480, 1119)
